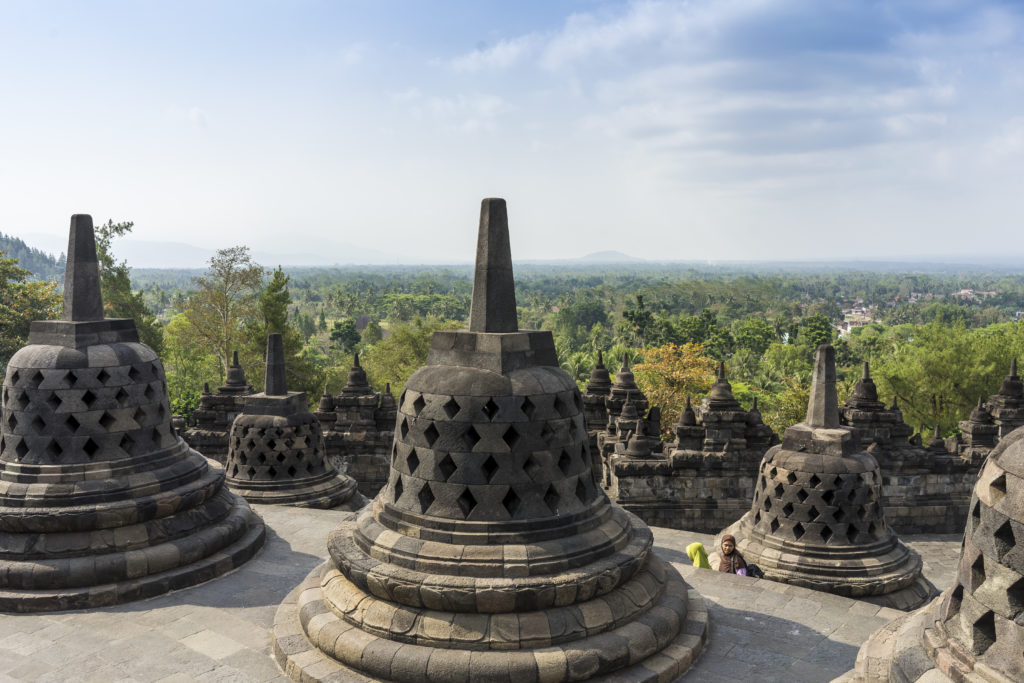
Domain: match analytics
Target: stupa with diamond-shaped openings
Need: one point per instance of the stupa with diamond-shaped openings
(100, 501)
(491, 553)
(816, 519)
(276, 449)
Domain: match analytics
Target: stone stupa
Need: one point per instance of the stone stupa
(816, 519)
(276, 449)
(974, 631)
(100, 501)
(491, 554)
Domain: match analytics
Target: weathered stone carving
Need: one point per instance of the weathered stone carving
(100, 501)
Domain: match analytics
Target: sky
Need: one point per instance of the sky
(699, 130)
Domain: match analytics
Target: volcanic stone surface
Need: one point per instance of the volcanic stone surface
(100, 501)
(276, 448)
(816, 520)
(491, 554)
(974, 631)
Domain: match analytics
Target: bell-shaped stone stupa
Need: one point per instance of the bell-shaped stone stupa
(276, 448)
(974, 631)
(491, 554)
(816, 520)
(100, 501)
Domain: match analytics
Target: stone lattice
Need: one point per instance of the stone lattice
(491, 554)
(100, 501)
(816, 519)
(1007, 405)
(975, 630)
(277, 451)
(216, 412)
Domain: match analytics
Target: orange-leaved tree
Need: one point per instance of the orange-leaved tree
(670, 373)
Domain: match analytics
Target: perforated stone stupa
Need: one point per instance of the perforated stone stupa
(816, 519)
(209, 434)
(100, 501)
(276, 448)
(491, 554)
(974, 631)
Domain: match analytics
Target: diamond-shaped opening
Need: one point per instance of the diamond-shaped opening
(837, 482)
(418, 405)
(90, 447)
(813, 514)
(814, 481)
(121, 395)
(852, 495)
(774, 525)
(565, 462)
(779, 490)
(134, 374)
(466, 502)
(234, 472)
(851, 533)
(54, 401)
(272, 471)
(12, 422)
(956, 598)
(828, 497)
(36, 379)
(1015, 596)
(764, 482)
(262, 458)
(999, 484)
(21, 450)
(404, 427)
(791, 478)
(977, 573)
(251, 472)
(839, 515)
(533, 467)
(126, 444)
(431, 434)
(149, 393)
(787, 509)
(798, 531)
(271, 444)
(511, 437)
(489, 468)
(447, 467)
(864, 512)
(38, 424)
(471, 438)
(872, 529)
(1004, 540)
(451, 408)
(975, 516)
(490, 409)
(54, 450)
(22, 401)
(156, 435)
(161, 412)
(551, 499)
(107, 420)
(398, 488)
(88, 398)
(72, 424)
(547, 433)
(767, 504)
(560, 406)
(511, 502)
(15, 376)
(757, 517)
(581, 490)
(801, 495)
(103, 376)
(826, 534)
(528, 408)
(774, 472)
(412, 461)
(292, 471)
(983, 633)
(401, 398)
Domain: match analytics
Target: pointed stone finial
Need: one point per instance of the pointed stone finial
(493, 308)
(387, 388)
(206, 387)
(275, 384)
(754, 407)
(625, 362)
(867, 371)
(355, 360)
(823, 408)
(326, 393)
(721, 369)
(895, 403)
(1013, 368)
(600, 359)
(234, 359)
(937, 435)
(82, 298)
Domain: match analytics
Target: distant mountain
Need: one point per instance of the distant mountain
(43, 266)
(610, 257)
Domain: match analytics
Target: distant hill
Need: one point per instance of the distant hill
(610, 257)
(43, 266)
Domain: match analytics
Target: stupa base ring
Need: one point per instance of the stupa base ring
(304, 660)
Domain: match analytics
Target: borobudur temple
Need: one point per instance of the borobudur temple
(491, 554)
(816, 519)
(101, 501)
(276, 449)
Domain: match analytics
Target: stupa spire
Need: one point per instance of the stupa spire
(274, 383)
(823, 408)
(494, 296)
(82, 298)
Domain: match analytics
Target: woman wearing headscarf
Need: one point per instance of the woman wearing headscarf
(697, 555)
(732, 562)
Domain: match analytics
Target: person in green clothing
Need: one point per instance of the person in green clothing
(699, 556)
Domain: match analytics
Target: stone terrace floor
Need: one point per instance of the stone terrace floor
(220, 631)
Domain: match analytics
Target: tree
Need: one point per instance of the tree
(119, 301)
(816, 330)
(395, 359)
(303, 373)
(21, 302)
(638, 321)
(344, 335)
(753, 334)
(372, 333)
(188, 363)
(670, 373)
(225, 302)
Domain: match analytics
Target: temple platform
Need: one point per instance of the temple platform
(220, 631)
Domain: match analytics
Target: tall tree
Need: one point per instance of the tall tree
(119, 301)
(21, 302)
(225, 303)
(670, 373)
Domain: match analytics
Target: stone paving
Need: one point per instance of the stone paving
(220, 631)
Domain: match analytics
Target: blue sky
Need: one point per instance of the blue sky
(669, 130)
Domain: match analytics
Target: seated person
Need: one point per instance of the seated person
(731, 562)
(699, 556)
